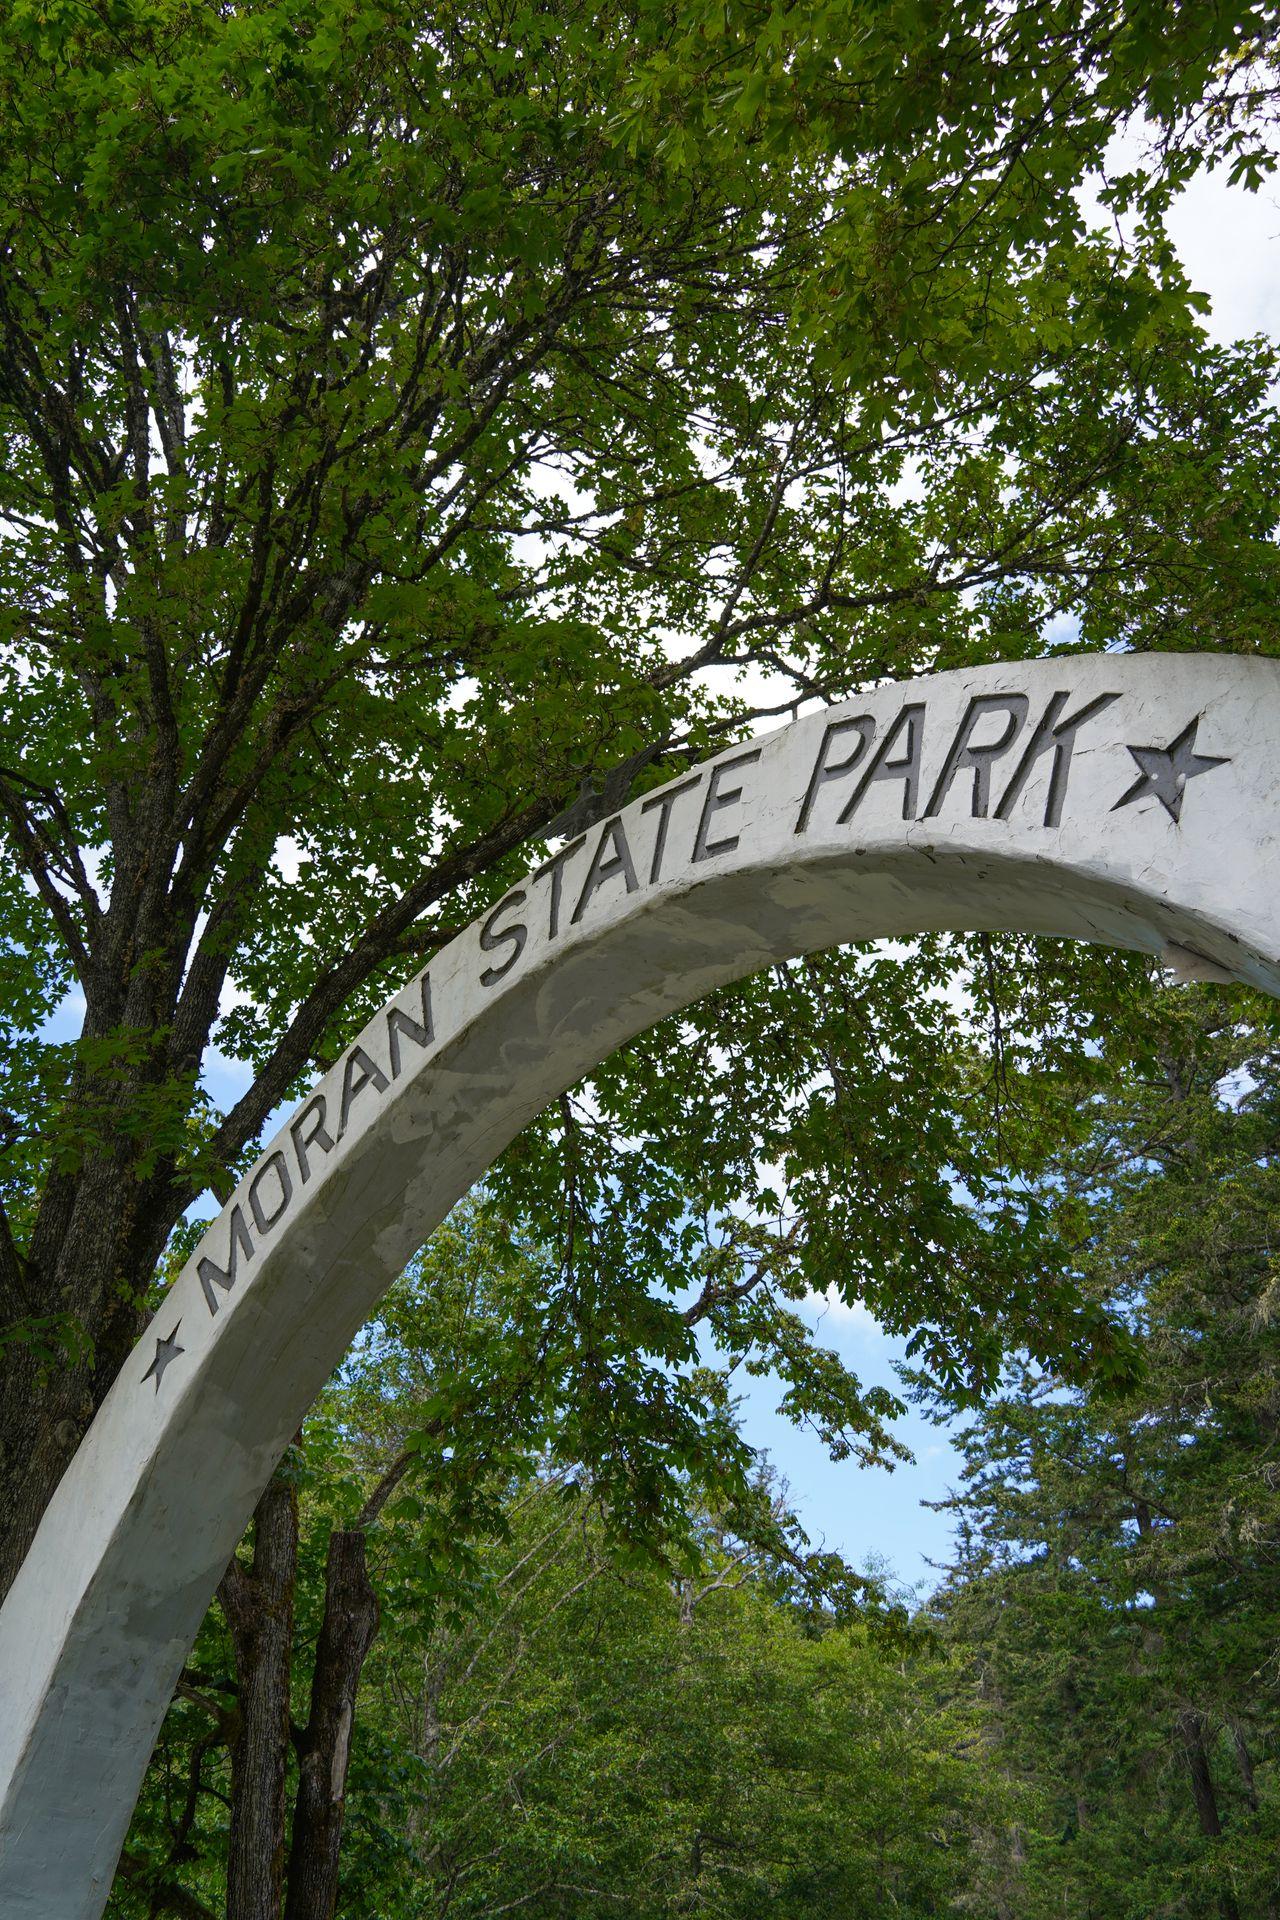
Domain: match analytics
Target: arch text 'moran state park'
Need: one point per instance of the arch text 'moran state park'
(1128, 800)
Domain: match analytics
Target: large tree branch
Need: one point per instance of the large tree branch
(44, 860)
(374, 946)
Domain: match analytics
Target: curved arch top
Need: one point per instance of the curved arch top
(1130, 800)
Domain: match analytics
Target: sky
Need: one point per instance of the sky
(872, 1516)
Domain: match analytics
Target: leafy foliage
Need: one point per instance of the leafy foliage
(563, 1708)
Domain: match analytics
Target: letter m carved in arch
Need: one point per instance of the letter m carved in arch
(212, 1275)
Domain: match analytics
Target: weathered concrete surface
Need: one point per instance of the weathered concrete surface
(1152, 823)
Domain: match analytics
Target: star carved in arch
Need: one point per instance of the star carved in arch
(166, 1350)
(1165, 771)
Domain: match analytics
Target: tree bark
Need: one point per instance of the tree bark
(258, 1603)
(348, 1630)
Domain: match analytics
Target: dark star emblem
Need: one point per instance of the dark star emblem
(1165, 771)
(166, 1350)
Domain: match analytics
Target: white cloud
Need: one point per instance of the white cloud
(1226, 239)
(849, 1318)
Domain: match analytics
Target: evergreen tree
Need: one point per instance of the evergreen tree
(1118, 1586)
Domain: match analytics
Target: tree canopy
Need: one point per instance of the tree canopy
(415, 423)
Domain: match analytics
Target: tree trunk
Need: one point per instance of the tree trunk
(1244, 1761)
(42, 1422)
(94, 1248)
(258, 1603)
(346, 1635)
(1191, 1734)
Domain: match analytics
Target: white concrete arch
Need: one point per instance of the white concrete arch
(1131, 800)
